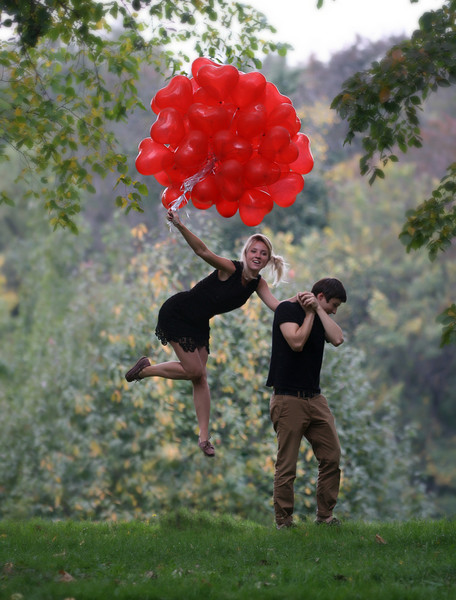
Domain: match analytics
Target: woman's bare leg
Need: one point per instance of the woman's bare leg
(192, 367)
(167, 370)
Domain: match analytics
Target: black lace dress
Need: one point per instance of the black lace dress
(184, 318)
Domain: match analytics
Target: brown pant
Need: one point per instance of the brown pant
(294, 418)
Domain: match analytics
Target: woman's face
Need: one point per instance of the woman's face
(257, 255)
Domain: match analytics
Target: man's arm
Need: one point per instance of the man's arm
(295, 335)
(333, 332)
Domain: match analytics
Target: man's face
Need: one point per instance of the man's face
(329, 307)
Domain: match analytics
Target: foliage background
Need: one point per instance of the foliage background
(83, 443)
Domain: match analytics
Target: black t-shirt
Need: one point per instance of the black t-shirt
(295, 370)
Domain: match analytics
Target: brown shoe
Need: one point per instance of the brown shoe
(133, 373)
(207, 448)
(333, 522)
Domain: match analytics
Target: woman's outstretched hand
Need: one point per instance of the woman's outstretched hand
(173, 217)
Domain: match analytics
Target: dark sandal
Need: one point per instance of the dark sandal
(207, 448)
(133, 373)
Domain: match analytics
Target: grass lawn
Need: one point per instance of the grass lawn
(195, 556)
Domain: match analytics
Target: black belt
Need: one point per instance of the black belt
(296, 393)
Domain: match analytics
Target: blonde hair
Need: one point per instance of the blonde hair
(276, 263)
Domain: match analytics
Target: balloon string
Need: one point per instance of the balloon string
(189, 183)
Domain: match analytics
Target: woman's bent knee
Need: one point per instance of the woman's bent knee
(197, 376)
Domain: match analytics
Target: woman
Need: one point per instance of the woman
(183, 320)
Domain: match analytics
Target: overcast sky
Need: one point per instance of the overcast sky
(335, 26)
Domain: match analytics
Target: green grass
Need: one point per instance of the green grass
(195, 556)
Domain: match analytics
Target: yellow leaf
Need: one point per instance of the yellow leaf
(65, 577)
(384, 95)
(139, 231)
(95, 449)
(116, 396)
(117, 310)
(397, 55)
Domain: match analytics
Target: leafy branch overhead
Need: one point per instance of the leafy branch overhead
(382, 105)
(433, 224)
(71, 71)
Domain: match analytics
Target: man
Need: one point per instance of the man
(301, 327)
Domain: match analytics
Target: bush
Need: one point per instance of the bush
(78, 441)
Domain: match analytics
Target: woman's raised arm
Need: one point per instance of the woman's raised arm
(199, 247)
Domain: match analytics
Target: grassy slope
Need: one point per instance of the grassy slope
(196, 556)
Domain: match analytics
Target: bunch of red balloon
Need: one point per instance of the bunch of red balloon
(227, 138)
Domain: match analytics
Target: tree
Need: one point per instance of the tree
(71, 70)
(382, 103)
(76, 441)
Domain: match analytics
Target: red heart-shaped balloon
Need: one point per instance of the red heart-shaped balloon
(178, 94)
(209, 119)
(260, 171)
(202, 95)
(227, 145)
(173, 197)
(218, 81)
(174, 174)
(163, 178)
(288, 154)
(272, 97)
(205, 192)
(192, 151)
(248, 89)
(201, 61)
(250, 122)
(304, 163)
(152, 157)
(226, 208)
(275, 139)
(285, 115)
(285, 190)
(254, 205)
(169, 127)
(229, 178)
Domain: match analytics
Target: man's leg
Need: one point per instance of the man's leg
(323, 437)
(287, 416)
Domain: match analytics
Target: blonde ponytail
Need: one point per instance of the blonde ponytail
(279, 269)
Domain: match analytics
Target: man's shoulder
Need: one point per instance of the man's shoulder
(288, 308)
(288, 305)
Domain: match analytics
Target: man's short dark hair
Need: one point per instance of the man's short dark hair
(330, 287)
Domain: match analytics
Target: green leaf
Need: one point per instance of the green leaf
(142, 188)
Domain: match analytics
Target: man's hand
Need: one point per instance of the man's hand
(308, 301)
